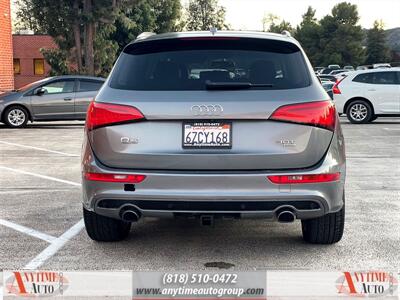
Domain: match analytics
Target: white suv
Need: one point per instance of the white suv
(368, 94)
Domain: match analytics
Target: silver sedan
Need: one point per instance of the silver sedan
(51, 99)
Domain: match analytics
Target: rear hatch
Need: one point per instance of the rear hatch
(211, 104)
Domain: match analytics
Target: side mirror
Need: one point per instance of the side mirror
(40, 91)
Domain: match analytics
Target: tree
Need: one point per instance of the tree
(204, 14)
(147, 15)
(270, 24)
(377, 48)
(340, 37)
(282, 26)
(167, 15)
(87, 31)
(57, 60)
(308, 34)
(269, 19)
(26, 17)
(73, 25)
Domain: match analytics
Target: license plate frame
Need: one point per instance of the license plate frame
(204, 124)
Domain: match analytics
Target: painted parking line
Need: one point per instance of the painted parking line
(38, 148)
(392, 129)
(361, 155)
(40, 176)
(55, 243)
(55, 246)
(28, 231)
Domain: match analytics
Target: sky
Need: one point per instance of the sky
(248, 14)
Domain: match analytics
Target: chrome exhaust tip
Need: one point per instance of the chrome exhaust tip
(286, 216)
(130, 214)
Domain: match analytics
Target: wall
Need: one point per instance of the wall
(6, 50)
(27, 48)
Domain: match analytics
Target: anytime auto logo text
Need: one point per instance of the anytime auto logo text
(367, 284)
(40, 283)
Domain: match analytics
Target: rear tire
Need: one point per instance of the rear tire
(359, 112)
(103, 229)
(327, 229)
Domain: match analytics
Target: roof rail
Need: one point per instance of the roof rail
(144, 35)
(286, 33)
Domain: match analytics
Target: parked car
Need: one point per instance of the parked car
(329, 69)
(324, 80)
(381, 66)
(318, 69)
(328, 77)
(359, 68)
(348, 68)
(328, 88)
(266, 144)
(339, 71)
(334, 67)
(325, 71)
(366, 95)
(51, 99)
(340, 76)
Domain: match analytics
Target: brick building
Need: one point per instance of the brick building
(6, 50)
(29, 64)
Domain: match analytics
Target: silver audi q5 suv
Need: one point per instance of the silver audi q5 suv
(209, 125)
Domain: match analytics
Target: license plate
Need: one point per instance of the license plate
(207, 135)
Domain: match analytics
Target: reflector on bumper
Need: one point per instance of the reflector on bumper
(308, 178)
(125, 178)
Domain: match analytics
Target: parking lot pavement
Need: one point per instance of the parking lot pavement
(40, 215)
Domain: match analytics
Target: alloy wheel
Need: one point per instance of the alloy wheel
(358, 112)
(16, 117)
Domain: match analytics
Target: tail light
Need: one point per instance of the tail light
(335, 88)
(320, 114)
(296, 179)
(125, 178)
(104, 114)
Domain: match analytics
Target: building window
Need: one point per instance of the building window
(38, 66)
(17, 66)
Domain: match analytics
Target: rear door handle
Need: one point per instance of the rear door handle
(67, 99)
(371, 90)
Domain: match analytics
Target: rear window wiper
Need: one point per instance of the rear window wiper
(234, 85)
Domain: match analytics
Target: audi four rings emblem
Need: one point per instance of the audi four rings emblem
(207, 110)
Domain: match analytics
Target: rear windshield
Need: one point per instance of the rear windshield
(188, 64)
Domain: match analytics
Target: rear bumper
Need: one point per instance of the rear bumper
(340, 101)
(261, 209)
(243, 194)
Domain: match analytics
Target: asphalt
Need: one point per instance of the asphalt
(50, 204)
